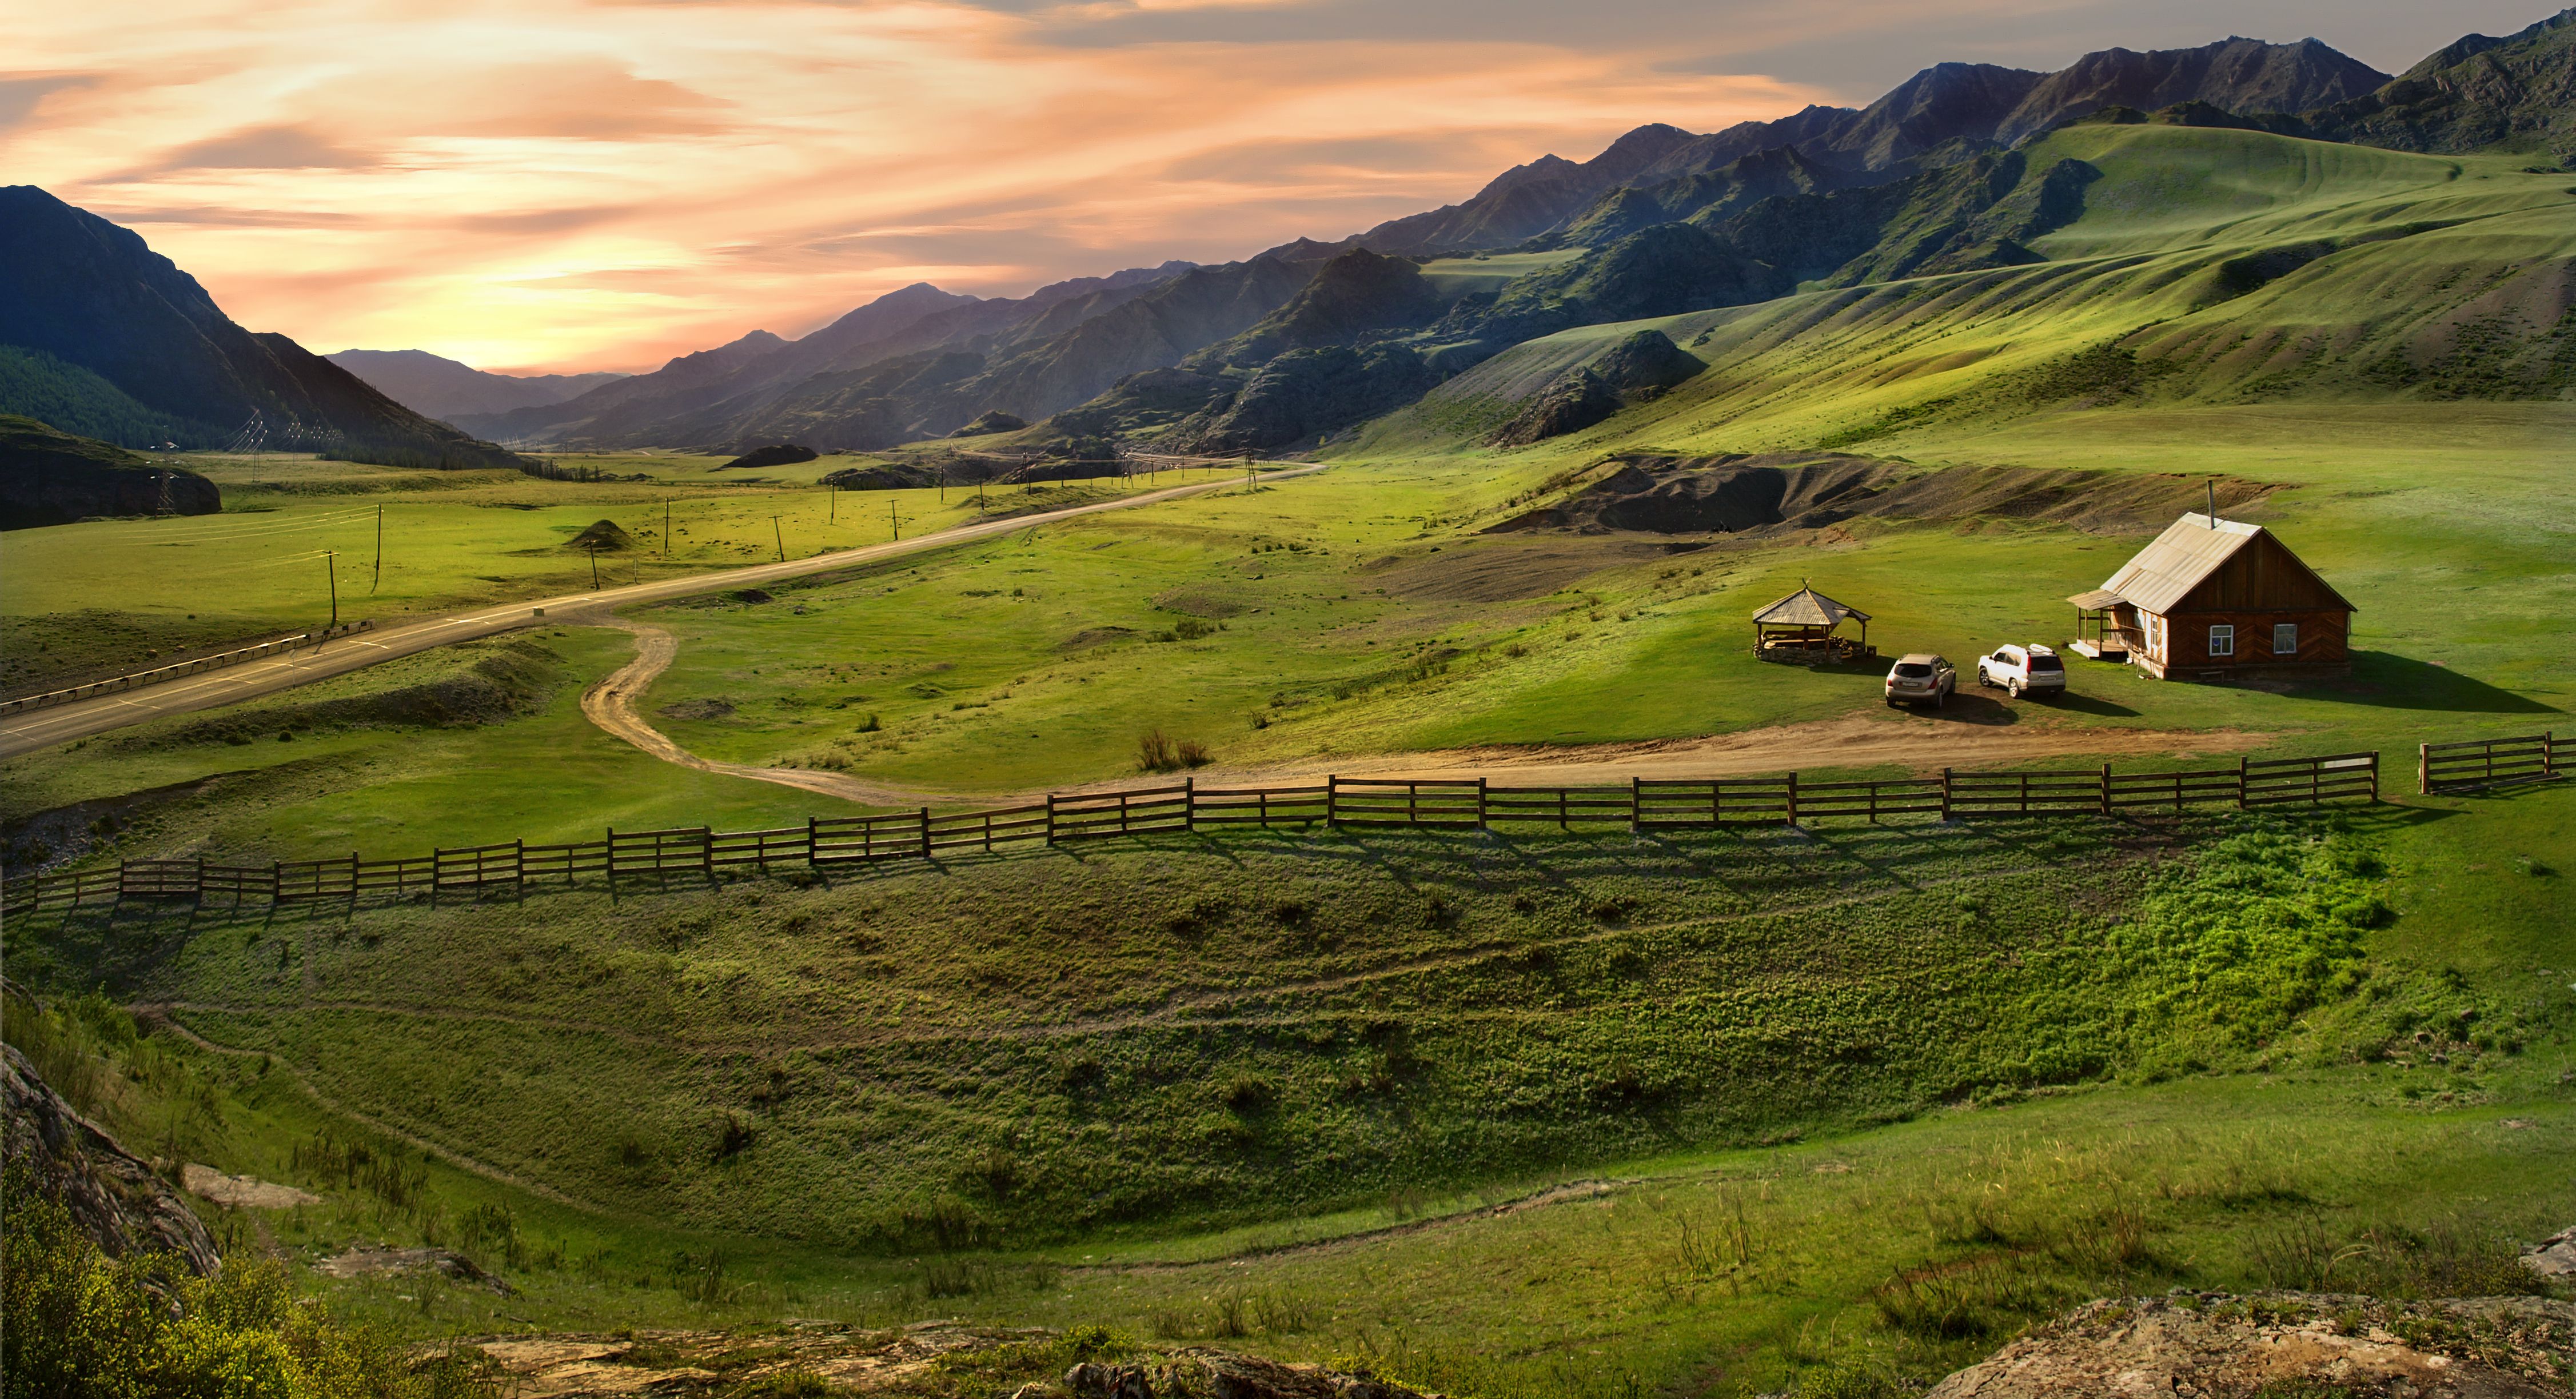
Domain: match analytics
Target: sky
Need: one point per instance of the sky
(570, 185)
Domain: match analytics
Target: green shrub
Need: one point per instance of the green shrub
(75, 1323)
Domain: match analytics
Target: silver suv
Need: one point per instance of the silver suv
(1919, 677)
(2021, 668)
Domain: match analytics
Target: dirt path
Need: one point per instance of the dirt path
(30, 730)
(1974, 732)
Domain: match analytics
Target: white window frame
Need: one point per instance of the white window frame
(2222, 641)
(2155, 634)
(2292, 630)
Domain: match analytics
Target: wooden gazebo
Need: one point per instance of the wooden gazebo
(1800, 627)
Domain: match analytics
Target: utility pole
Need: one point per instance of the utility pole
(891, 522)
(666, 527)
(594, 565)
(782, 538)
(380, 553)
(331, 571)
(832, 511)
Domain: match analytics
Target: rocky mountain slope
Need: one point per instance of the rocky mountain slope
(114, 1197)
(437, 387)
(109, 329)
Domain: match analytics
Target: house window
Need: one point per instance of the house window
(2285, 638)
(2155, 634)
(2222, 642)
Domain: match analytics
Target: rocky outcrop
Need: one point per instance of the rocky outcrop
(54, 478)
(777, 454)
(987, 424)
(2555, 1256)
(1578, 399)
(2285, 1343)
(1304, 394)
(113, 1196)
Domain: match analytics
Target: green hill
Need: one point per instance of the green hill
(2206, 266)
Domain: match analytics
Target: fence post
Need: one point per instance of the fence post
(2106, 789)
(1332, 801)
(519, 861)
(925, 833)
(2374, 777)
(198, 894)
(1480, 804)
(1636, 819)
(1050, 839)
(1793, 796)
(1945, 795)
(813, 836)
(706, 851)
(2549, 753)
(2241, 769)
(1189, 803)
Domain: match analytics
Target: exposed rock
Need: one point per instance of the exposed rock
(1576, 401)
(242, 1192)
(374, 1262)
(988, 423)
(1305, 393)
(603, 536)
(778, 454)
(2285, 1343)
(1645, 361)
(112, 1196)
(2555, 1256)
(54, 478)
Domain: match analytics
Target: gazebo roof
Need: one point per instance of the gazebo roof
(1807, 608)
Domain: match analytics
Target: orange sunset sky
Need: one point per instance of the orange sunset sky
(569, 185)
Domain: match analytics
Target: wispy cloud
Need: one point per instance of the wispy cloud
(583, 184)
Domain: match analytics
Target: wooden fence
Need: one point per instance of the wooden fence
(1362, 802)
(2486, 762)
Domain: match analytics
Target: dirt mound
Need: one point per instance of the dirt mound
(366, 1262)
(603, 536)
(780, 454)
(1773, 494)
(2285, 1343)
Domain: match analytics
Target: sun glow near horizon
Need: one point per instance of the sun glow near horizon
(569, 187)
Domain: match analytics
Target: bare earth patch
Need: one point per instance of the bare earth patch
(242, 1192)
(2287, 1343)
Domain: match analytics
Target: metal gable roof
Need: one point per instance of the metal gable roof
(1808, 608)
(2188, 551)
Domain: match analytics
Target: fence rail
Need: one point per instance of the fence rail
(2442, 768)
(1362, 802)
(176, 669)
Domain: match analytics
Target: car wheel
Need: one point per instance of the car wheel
(1984, 679)
(2013, 688)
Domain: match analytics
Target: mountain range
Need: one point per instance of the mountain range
(443, 388)
(102, 337)
(1308, 338)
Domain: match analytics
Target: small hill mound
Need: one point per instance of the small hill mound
(1574, 402)
(53, 478)
(603, 537)
(989, 423)
(779, 454)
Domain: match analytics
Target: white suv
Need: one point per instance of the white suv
(2022, 668)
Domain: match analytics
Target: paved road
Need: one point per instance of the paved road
(38, 728)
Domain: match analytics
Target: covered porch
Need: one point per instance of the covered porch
(2113, 619)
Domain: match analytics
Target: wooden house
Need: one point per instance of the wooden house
(2216, 599)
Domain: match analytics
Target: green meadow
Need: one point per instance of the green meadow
(1506, 1113)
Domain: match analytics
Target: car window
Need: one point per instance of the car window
(2004, 656)
(2046, 663)
(1914, 672)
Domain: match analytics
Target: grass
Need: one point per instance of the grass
(114, 595)
(1818, 1111)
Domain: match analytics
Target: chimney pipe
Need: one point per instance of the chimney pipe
(2212, 483)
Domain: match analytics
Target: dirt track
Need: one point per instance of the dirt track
(30, 730)
(1972, 732)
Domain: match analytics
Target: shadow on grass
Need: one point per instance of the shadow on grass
(2090, 704)
(2387, 681)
